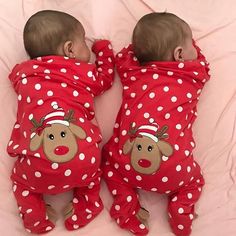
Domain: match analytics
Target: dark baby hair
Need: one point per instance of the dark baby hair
(156, 35)
(46, 30)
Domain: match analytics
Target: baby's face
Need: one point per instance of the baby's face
(189, 51)
(80, 49)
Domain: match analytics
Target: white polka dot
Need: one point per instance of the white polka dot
(202, 63)
(54, 166)
(133, 95)
(164, 179)
(142, 226)
(178, 168)
(181, 183)
(176, 147)
(97, 204)
(188, 169)
(63, 70)
(114, 191)
(40, 102)
(174, 199)
(165, 158)
(129, 199)
(166, 89)
(100, 53)
(116, 165)
(152, 95)
(117, 207)
(167, 116)
(110, 71)
(89, 139)
(51, 187)
(75, 93)
(35, 66)
(24, 176)
(67, 172)
(155, 76)
(24, 81)
(191, 216)
(48, 228)
(75, 200)
(153, 189)
(146, 115)
(110, 174)
(143, 70)
(181, 227)
(47, 71)
(190, 195)
(127, 167)
(127, 112)
(37, 86)
(36, 223)
(160, 108)
(90, 74)
(181, 210)
(66, 186)
(25, 193)
(63, 85)
(50, 93)
(37, 174)
(89, 216)
(180, 81)
(187, 152)
(132, 78)
(173, 99)
(84, 176)
(93, 160)
(19, 97)
(170, 73)
(74, 217)
(138, 177)
(181, 65)
(178, 126)
(189, 95)
(144, 87)
(140, 105)
(81, 156)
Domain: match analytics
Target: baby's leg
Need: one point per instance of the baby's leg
(181, 207)
(85, 206)
(125, 209)
(37, 217)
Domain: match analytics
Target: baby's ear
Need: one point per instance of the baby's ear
(178, 54)
(68, 49)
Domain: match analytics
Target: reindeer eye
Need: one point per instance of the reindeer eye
(139, 147)
(150, 148)
(63, 134)
(51, 136)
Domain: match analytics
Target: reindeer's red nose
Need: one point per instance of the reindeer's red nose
(61, 150)
(144, 163)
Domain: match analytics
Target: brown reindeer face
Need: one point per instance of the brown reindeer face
(59, 142)
(145, 156)
(147, 151)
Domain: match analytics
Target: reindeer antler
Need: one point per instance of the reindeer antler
(69, 116)
(36, 124)
(162, 133)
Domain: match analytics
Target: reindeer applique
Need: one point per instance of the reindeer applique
(147, 147)
(57, 134)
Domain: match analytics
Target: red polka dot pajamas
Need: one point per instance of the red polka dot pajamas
(151, 147)
(54, 138)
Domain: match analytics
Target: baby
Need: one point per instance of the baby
(162, 73)
(54, 139)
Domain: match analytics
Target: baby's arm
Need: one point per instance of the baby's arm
(105, 64)
(125, 60)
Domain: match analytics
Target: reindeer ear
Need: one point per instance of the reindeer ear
(78, 131)
(127, 147)
(36, 142)
(165, 148)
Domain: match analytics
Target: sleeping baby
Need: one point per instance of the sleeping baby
(162, 73)
(54, 140)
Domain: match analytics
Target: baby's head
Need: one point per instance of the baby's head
(51, 32)
(163, 37)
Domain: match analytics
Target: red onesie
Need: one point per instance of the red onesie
(151, 147)
(54, 139)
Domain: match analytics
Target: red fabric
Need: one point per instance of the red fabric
(48, 88)
(157, 94)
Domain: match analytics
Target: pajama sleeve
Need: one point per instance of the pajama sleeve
(125, 60)
(104, 71)
(201, 60)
